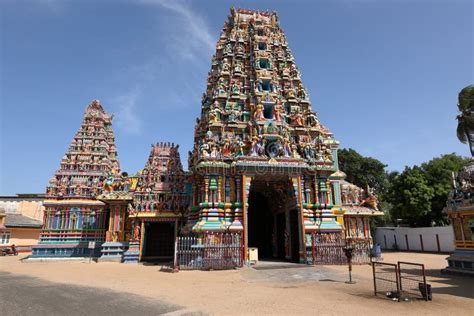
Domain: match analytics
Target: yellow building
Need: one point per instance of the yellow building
(21, 220)
(21, 231)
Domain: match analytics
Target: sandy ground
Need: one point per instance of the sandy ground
(294, 290)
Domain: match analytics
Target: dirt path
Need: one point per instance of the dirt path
(298, 290)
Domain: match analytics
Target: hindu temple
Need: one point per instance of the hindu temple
(263, 168)
(73, 216)
(262, 163)
(93, 209)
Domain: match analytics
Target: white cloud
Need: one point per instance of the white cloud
(186, 48)
(190, 37)
(126, 117)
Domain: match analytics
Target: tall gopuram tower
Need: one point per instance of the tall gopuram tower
(73, 216)
(262, 164)
(159, 203)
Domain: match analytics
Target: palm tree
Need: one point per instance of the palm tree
(465, 129)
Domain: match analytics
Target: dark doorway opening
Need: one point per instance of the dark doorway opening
(272, 219)
(260, 220)
(295, 240)
(159, 241)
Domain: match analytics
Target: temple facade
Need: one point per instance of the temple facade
(262, 163)
(263, 168)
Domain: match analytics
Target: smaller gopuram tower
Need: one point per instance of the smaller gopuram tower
(73, 216)
(159, 203)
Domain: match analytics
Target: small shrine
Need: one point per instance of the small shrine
(460, 204)
(73, 215)
(159, 203)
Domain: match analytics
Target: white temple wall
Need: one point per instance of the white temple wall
(434, 239)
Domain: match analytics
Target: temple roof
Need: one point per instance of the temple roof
(18, 220)
(89, 160)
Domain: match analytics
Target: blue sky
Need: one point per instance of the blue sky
(383, 75)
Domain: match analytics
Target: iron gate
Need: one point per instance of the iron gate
(326, 248)
(401, 281)
(413, 281)
(211, 251)
(386, 280)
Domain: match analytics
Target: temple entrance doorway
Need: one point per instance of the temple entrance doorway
(159, 241)
(272, 219)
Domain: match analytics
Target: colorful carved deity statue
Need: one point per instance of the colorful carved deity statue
(258, 113)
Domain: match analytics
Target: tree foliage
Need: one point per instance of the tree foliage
(438, 173)
(415, 196)
(363, 171)
(466, 118)
(410, 196)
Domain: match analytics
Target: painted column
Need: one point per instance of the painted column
(111, 220)
(246, 182)
(123, 211)
(83, 216)
(316, 190)
(287, 235)
(219, 189)
(206, 189)
(337, 192)
(227, 189)
(61, 223)
(328, 192)
(301, 229)
(142, 238)
(238, 189)
(235, 195)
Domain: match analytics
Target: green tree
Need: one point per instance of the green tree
(466, 118)
(410, 195)
(363, 171)
(438, 173)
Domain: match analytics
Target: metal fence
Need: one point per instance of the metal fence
(401, 281)
(386, 280)
(211, 251)
(413, 281)
(362, 251)
(328, 248)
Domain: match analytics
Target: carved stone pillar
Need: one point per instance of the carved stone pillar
(219, 190)
(227, 189)
(328, 192)
(316, 190)
(206, 189)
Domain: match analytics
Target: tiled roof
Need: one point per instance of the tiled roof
(18, 220)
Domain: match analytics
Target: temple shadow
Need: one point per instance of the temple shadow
(462, 286)
(456, 285)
